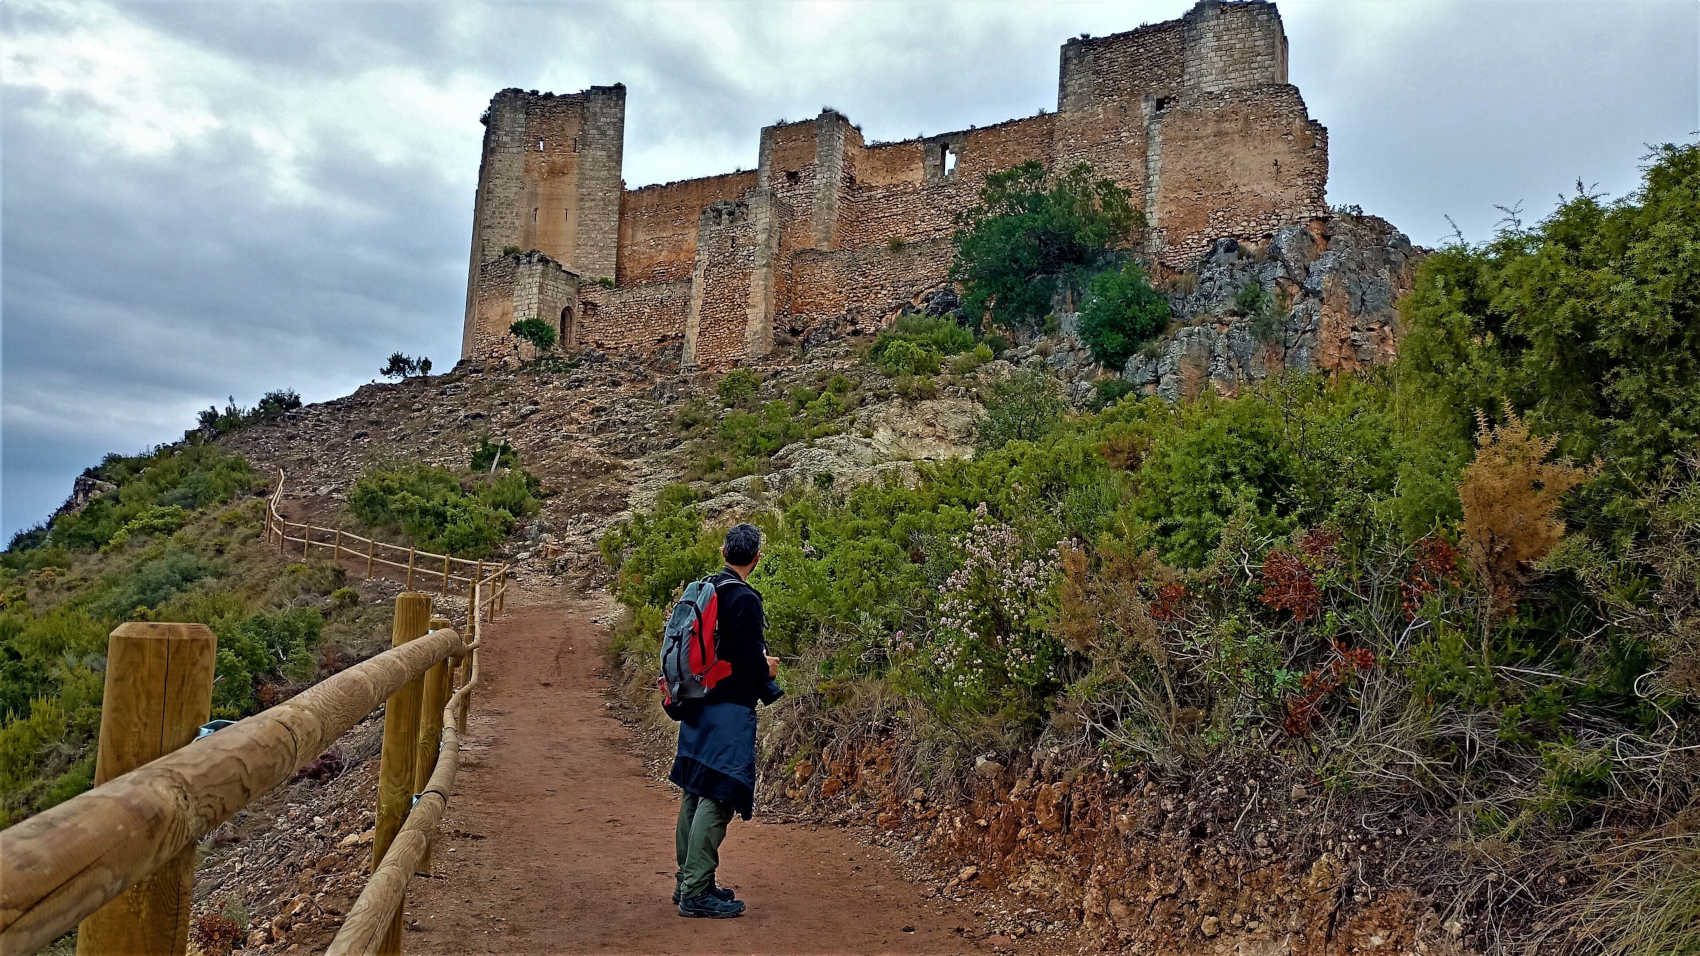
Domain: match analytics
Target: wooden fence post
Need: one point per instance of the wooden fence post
(282, 534)
(410, 553)
(371, 549)
(433, 696)
(474, 635)
(158, 694)
(401, 729)
(445, 574)
(472, 594)
(336, 549)
(306, 538)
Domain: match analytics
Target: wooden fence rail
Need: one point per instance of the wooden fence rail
(66, 863)
(340, 544)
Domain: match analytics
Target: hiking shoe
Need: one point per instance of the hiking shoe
(709, 906)
(721, 892)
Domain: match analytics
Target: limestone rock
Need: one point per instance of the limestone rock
(1339, 279)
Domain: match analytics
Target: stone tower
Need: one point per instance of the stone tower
(549, 181)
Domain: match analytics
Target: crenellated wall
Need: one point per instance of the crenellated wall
(1193, 116)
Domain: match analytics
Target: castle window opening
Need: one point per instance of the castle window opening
(534, 215)
(540, 146)
(1162, 103)
(793, 177)
(949, 161)
(567, 326)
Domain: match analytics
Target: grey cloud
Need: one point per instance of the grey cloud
(138, 288)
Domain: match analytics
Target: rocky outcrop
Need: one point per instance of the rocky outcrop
(1327, 291)
(84, 490)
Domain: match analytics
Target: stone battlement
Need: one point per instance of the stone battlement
(1193, 116)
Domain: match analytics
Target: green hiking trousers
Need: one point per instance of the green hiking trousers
(702, 827)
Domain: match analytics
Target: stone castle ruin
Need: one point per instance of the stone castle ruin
(1195, 116)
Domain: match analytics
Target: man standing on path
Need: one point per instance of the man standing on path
(716, 762)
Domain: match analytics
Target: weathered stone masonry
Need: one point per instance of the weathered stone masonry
(1194, 116)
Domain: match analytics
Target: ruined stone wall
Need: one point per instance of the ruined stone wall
(912, 199)
(634, 317)
(549, 180)
(600, 188)
(517, 287)
(828, 284)
(545, 291)
(658, 225)
(1239, 164)
(1232, 46)
(720, 285)
(1149, 61)
(1193, 116)
(493, 305)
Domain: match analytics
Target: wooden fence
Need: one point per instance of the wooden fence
(119, 858)
(314, 539)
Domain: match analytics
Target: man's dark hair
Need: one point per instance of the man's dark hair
(742, 544)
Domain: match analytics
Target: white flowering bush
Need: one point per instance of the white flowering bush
(989, 640)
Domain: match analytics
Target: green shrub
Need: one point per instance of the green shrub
(182, 476)
(264, 645)
(155, 520)
(1032, 231)
(1122, 313)
(1587, 323)
(657, 552)
(539, 333)
(438, 512)
(903, 357)
(1108, 391)
(737, 387)
(969, 361)
(692, 415)
(401, 365)
(271, 407)
(1023, 407)
(1251, 299)
(488, 455)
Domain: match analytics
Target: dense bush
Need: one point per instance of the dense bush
(1415, 584)
(266, 643)
(272, 406)
(1022, 407)
(1588, 323)
(149, 487)
(402, 365)
(172, 546)
(439, 511)
(1122, 312)
(743, 438)
(917, 344)
(737, 387)
(1030, 233)
(488, 455)
(539, 333)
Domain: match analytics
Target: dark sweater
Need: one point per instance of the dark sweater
(739, 637)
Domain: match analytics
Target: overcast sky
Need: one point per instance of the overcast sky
(219, 198)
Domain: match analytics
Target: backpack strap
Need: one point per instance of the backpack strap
(717, 580)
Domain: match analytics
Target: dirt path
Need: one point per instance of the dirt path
(558, 842)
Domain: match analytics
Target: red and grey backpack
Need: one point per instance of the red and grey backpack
(691, 665)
